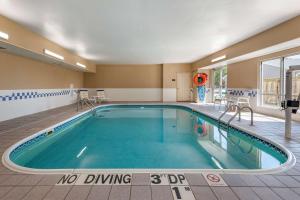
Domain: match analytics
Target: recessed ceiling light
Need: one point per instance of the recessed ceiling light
(4, 36)
(52, 54)
(218, 58)
(80, 65)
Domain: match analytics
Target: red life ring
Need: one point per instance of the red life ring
(200, 79)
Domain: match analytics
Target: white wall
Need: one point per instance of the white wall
(17, 103)
(130, 94)
(169, 94)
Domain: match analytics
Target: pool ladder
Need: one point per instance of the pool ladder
(238, 112)
(88, 103)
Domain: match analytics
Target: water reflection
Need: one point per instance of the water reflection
(228, 149)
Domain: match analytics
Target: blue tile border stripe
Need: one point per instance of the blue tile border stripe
(21, 95)
(56, 130)
(242, 92)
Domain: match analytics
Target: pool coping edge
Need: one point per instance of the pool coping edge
(291, 161)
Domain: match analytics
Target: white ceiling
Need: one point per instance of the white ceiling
(148, 31)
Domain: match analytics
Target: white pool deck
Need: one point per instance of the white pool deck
(284, 185)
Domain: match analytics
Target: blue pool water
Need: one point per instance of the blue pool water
(151, 137)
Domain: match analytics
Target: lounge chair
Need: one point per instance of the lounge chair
(84, 95)
(84, 99)
(219, 100)
(101, 96)
(243, 101)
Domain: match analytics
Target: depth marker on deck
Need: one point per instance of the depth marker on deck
(182, 192)
(168, 179)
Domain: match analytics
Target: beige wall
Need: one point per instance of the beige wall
(283, 32)
(170, 72)
(17, 72)
(124, 76)
(24, 38)
(135, 76)
(245, 74)
(24, 73)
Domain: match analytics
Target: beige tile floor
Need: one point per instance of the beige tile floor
(15, 186)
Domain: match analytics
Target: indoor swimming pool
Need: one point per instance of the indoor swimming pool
(144, 137)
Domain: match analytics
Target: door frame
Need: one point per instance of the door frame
(221, 82)
(190, 75)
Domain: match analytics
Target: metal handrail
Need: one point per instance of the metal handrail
(238, 112)
(89, 104)
(251, 110)
(227, 109)
(88, 101)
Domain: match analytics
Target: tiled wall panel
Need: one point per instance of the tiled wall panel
(16, 103)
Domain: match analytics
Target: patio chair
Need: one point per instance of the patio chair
(243, 101)
(84, 95)
(100, 96)
(219, 100)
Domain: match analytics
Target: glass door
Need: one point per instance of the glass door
(290, 61)
(220, 82)
(272, 90)
(273, 80)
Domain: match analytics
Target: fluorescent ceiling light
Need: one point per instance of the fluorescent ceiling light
(218, 58)
(80, 65)
(4, 36)
(50, 53)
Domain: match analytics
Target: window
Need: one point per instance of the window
(220, 82)
(273, 80)
(289, 61)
